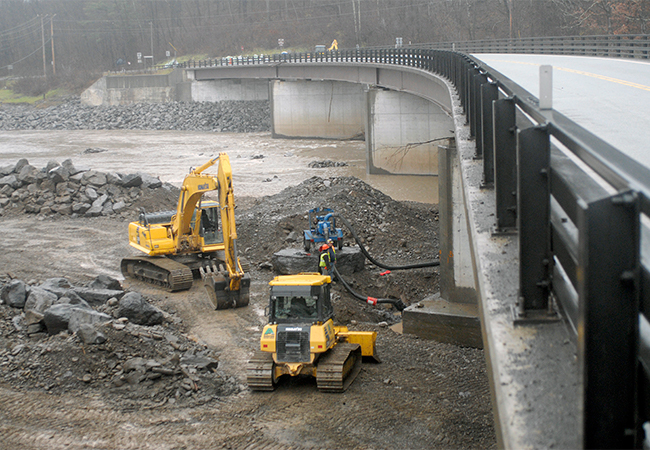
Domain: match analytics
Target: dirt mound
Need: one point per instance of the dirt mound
(394, 233)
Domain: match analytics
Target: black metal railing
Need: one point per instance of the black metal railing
(580, 235)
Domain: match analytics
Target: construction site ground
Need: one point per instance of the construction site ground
(423, 394)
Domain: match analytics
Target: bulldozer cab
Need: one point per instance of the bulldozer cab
(295, 301)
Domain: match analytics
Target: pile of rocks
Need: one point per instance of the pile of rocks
(66, 190)
(225, 116)
(57, 336)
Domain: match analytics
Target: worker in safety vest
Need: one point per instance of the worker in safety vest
(327, 258)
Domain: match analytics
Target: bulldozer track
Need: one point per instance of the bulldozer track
(260, 372)
(158, 271)
(338, 368)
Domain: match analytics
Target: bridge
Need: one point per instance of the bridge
(544, 226)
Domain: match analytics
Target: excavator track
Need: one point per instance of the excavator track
(338, 368)
(260, 372)
(159, 271)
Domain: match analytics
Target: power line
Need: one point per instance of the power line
(22, 59)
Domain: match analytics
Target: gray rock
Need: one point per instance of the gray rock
(90, 335)
(51, 164)
(6, 170)
(100, 201)
(57, 317)
(97, 296)
(149, 181)
(91, 193)
(114, 178)
(135, 308)
(119, 206)
(81, 316)
(80, 208)
(200, 362)
(105, 282)
(290, 260)
(134, 364)
(39, 300)
(72, 170)
(58, 174)
(58, 286)
(131, 180)
(20, 164)
(14, 293)
(28, 174)
(11, 181)
(95, 178)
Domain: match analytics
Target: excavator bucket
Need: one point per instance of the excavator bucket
(217, 285)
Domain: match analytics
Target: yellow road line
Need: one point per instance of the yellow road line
(580, 72)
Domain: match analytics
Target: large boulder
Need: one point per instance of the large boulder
(135, 308)
(97, 297)
(39, 300)
(58, 286)
(292, 260)
(14, 293)
(82, 316)
(105, 282)
(57, 317)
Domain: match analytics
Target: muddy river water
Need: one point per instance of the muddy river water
(255, 158)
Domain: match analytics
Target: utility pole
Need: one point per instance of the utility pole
(151, 27)
(52, 38)
(43, 45)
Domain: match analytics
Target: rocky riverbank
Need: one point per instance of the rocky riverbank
(225, 116)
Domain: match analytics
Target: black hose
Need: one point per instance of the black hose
(397, 303)
(377, 263)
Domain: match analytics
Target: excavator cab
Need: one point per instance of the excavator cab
(209, 228)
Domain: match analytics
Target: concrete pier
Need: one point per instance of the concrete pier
(403, 132)
(317, 109)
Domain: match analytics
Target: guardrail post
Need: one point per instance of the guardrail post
(505, 163)
(475, 105)
(534, 223)
(608, 322)
(489, 94)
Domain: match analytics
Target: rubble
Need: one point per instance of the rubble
(64, 190)
(225, 116)
(58, 344)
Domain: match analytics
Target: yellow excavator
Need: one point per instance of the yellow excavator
(301, 338)
(192, 240)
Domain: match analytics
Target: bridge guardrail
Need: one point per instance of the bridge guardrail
(582, 212)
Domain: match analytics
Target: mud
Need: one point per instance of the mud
(423, 395)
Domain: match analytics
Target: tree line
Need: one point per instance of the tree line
(74, 40)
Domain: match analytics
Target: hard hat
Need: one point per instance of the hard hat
(329, 241)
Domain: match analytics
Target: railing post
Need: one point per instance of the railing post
(534, 221)
(608, 322)
(505, 163)
(489, 94)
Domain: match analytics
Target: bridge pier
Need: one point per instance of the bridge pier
(403, 132)
(317, 109)
(452, 316)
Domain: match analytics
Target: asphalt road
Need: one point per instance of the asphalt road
(607, 96)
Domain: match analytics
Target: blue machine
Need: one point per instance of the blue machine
(322, 225)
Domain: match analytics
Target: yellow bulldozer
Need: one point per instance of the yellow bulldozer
(199, 237)
(301, 338)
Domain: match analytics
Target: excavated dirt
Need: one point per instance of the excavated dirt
(57, 393)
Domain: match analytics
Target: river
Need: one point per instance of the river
(255, 158)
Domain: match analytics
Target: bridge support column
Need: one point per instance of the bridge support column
(403, 132)
(317, 109)
(452, 316)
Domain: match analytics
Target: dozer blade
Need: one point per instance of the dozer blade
(260, 372)
(217, 287)
(338, 368)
